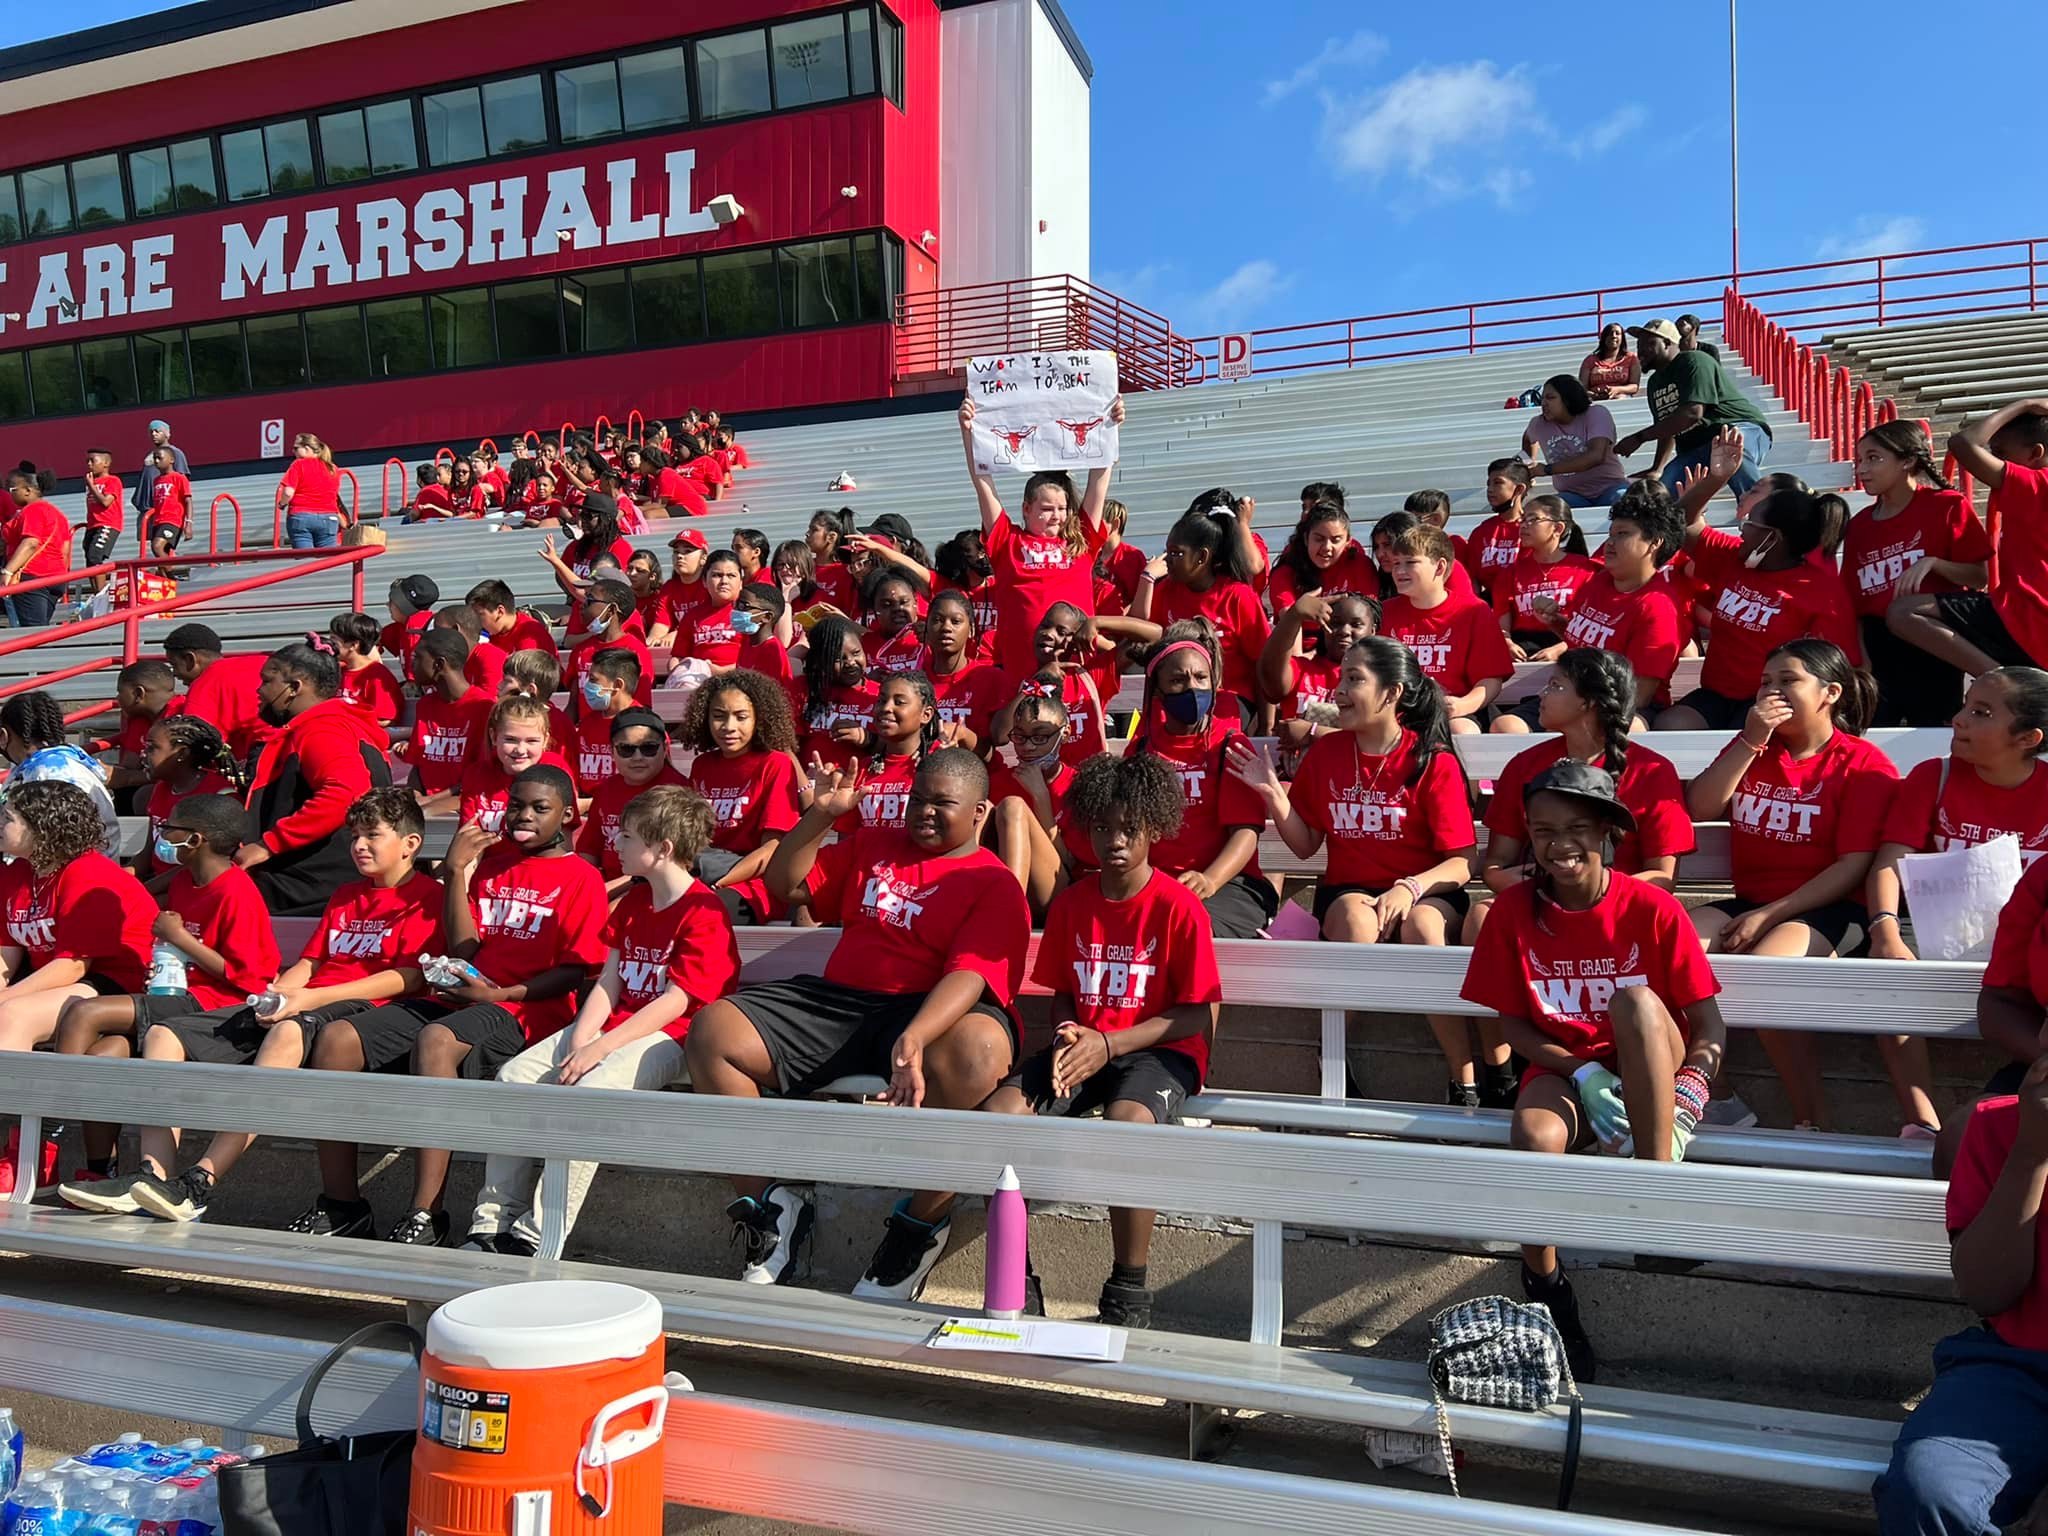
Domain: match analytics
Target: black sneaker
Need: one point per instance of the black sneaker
(421, 1229)
(497, 1242)
(776, 1229)
(1462, 1095)
(1124, 1306)
(909, 1251)
(335, 1218)
(512, 1245)
(184, 1198)
(1556, 1293)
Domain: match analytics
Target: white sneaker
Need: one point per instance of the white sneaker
(909, 1251)
(776, 1228)
(1730, 1114)
(842, 482)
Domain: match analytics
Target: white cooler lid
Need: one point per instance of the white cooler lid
(543, 1324)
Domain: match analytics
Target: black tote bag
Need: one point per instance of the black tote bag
(352, 1486)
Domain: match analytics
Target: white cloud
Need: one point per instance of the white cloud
(1249, 289)
(1337, 53)
(1611, 130)
(1430, 114)
(1873, 236)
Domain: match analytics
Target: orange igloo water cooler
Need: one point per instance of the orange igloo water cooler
(541, 1413)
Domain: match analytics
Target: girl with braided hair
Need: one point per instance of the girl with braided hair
(838, 695)
(904, 730)
(32, 739)
(183, 756)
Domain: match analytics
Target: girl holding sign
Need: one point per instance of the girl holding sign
(1050, 558)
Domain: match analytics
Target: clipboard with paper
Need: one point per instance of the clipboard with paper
(1955, 896)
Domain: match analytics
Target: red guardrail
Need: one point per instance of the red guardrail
(936, 333)
(213, 523)
(384, 485)
(602, 425)
(355, 498)
(562, 434)
(636, 427)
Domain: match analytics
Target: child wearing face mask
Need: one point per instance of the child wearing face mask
(606, 607)
(609, 683)
(183, 756)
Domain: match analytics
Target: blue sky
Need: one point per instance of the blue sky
(1323, 158)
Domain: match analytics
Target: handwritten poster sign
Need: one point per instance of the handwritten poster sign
(1043, 410)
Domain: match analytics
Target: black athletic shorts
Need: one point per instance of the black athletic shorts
(491, 1032)
(388, 1032)
(98, 543)
(817, 1031)
(1975, 617)
(231, 1037)
(175, 534)
(1524, 710)
(1161, 1080)
(1719, 711)
(161, 1008)
(1327, 896)
(1844, 924)
(1242, 907)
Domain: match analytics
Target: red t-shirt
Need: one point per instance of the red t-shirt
(445, 736)
(834, 583)
(1352, 571)
(1122, 567)
(884, 796)
(840, 706)
(1649, 787)
(678, 604)
(2020, 592)
(1458, 644)
(373, 689)
(982, 599)
(910, 918)
(679, 490)
(224, 695)
(1216, 802)
(1314, 681)
(163, 800)
(753, 797)
(580, 658)
(1934, 525)
(400, 640)
(92, 910)
(229, 917)
(1032, 572)
(900, 652)
(971, 696)
(1003, 785)
(592, 757)
(1560, 970)
(1238, 617)
(1987, 1144)
(1790, 820)
(1516, 589)
(1124, 962)
(432, 501)
(1929, 816)
(598, 841)
(314, 487)
(42, 521)
(706, 471)
(534, 913)
(486, 788)
(1085, 735)
(2019, 950)
(170, 502)
(688, 944)
(485, 669)
(1642, 626)
(1494, 546)
(710, 637)
(1378, 828)
(110, 515)
(368, 929)
(1754, 612)
(580, 551)
(526, 634)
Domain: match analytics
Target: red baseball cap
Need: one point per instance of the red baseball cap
(689, 537)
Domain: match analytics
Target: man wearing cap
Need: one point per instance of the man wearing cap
(1691, 399)
(145, 484)
(412, 600)
(682, 596)
(1689, 337)
(220, 690)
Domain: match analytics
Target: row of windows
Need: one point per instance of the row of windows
(718, 297)
(778, 68)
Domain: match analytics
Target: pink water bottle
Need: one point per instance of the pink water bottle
(1003, 1290)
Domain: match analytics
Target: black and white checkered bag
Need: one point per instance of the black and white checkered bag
(1497, 1353)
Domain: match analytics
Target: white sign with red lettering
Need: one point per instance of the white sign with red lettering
(272, 439)
(1234, 356)
(1043, 410)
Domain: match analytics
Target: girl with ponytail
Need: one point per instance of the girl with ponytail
(1917, 536)
(1387, 794)
(1806, 798)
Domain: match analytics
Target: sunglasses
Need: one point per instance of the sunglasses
(636, 748)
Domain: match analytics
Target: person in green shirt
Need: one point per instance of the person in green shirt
(1692, 398)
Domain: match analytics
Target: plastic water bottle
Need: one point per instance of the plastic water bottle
(166, 967)
(1003, 1290)
(11, 1447)
(39, 1508)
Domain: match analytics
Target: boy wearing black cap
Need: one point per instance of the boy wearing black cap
(411, 605)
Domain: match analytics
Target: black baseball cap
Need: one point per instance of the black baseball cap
(1582, 781)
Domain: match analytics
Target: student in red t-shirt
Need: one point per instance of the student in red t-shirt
(682, 596)
(892, 639)
(367, 682)
(365, 951)
(933, 937)
(1394, 524)
(431, 500)
(538, 676)
(1917, 536)
(1067, 669)
(1600, 985)
(902, 732)
(1028, 786)
(170, 505)
(1321, 556)
(518, 736)
(1216, 852)
(2007, 451)
(838, 698)
(464, 489)
(142, 691)
(607, 605)
(1050, 558)
(1625, 607)
(77, 925)
(740, 728)
(969, 691)
(1129, 961)
(528, 915)
(640, 761)
(1806, 798)
(451, 716)
(183, 756)
(1385, 794)
(605, 691)
(504, 628)
(37, 537)
(1201, 577)
(1302, 685)
(103, 514)
(1459, 645)
(1497, 542)
(1765, 591)
(1551, 568)
(671, 952)
(1119, 562)
(710, 635)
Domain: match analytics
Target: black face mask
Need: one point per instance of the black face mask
(271, 715)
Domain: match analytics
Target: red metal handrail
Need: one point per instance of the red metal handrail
(384, 485)
(937, 333)
(490, 443)
(600, 427)
(562, 434)
(355, 498)
(636, 426)
(213, 523)
(531, 436)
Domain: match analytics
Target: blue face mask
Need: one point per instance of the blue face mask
(596, 695)
(166, 852)
(744, 623)
(1190, 708)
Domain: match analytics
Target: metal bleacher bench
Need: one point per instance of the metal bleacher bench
(765, 1460)
(1820, 1222)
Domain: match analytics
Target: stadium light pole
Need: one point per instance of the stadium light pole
(1734, 168)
